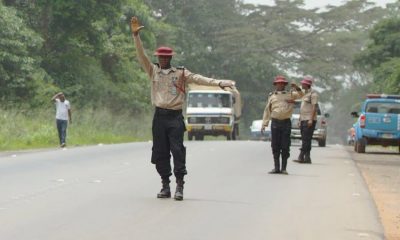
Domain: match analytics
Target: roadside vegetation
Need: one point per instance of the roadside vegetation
(36, 129)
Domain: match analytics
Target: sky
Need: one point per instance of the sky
(319, 3)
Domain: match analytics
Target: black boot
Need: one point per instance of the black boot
(165, 190)
(307, 158)
(300, 159)
(276, 170)
(179, 189)
(284, 164)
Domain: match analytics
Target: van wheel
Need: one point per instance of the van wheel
(229, 136)
(190, 136)
(234, 134)
(322, 142)
(199, 137)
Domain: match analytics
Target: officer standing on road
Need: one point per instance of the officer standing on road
(168, 89)
(279, 110)
(308, 119)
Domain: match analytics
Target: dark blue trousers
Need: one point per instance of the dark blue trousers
(306, 136)
(62, 130)
(168, 130)
(280, 141)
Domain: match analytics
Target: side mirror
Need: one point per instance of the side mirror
(326, 115)
(354, 114)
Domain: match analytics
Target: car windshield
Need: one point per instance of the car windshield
(383, 107)
(209, 100)
(296, 108)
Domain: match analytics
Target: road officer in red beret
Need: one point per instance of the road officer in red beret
(168, 89)
(279, 110)
(308, 119)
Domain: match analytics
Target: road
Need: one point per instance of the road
(108, 192)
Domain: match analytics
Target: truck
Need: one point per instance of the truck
(378, 122)
(212, 111)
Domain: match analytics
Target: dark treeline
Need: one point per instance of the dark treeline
(84, 48)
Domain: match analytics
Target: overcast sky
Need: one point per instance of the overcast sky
(320, 3)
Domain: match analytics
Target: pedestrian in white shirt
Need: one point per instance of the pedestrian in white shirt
(63, 115)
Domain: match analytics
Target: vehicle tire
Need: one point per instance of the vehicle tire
(229, 136)
(190, 136)
(199, 137)
(322, 142)
(361, 144)
(234, 133)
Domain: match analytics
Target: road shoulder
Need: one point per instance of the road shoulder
(380, 169)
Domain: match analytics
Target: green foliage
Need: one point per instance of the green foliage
(382, 56)
(385, 44)
(19, 61)
(387, 77)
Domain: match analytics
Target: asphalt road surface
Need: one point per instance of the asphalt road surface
(109, 192)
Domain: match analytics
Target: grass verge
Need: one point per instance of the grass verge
(30, 129)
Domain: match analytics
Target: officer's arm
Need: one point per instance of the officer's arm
(201, 80)
(267, 114)
(314, 102)
(297, 93)
(147, 65)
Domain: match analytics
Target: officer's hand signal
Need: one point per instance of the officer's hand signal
(135, 25)
(227, 83)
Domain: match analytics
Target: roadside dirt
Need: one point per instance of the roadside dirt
(380, 168)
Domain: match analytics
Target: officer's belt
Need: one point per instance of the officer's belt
(280, 120)
(164, 111)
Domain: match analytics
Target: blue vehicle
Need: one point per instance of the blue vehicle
(378, 123)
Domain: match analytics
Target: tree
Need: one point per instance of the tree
(382, 56)
(20, 72)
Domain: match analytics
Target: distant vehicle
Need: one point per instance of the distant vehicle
(378, 122)
(255, 131)
(321, 128)
(212, 111)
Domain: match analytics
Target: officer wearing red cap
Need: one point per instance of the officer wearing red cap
(278, 110)
(308, 119)
(168, 86)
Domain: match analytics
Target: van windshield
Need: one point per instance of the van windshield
(383, 107)
(209, 100)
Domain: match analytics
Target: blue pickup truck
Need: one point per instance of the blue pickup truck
(378, 122)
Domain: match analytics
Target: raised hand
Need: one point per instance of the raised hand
(227, 83)
(135, 26)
